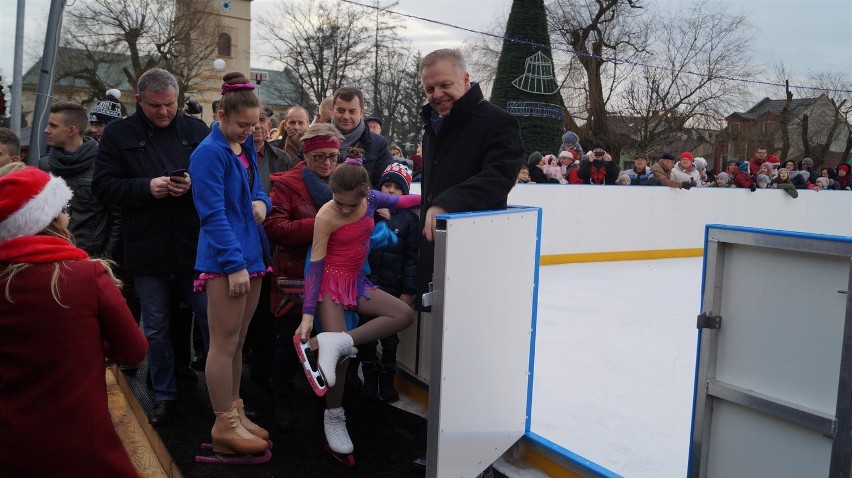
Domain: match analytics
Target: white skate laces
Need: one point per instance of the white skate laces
(336, 434)
(333, 347)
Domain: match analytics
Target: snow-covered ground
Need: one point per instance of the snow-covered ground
(615, 362)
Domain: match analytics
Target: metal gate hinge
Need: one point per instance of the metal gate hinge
(709, 321)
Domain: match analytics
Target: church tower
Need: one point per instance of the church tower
(233, 45)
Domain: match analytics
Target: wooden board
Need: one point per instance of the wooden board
(147, 452)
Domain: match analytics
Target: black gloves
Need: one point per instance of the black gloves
(686, 185)
(753, 187)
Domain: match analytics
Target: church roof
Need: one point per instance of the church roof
(109, 69)
(774, 107)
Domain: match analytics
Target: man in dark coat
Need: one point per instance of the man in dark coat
(141, 168)
(472, 150)
(348, 117)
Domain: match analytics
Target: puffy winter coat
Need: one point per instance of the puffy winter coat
(394, 269)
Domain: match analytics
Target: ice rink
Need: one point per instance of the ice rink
(615, 362)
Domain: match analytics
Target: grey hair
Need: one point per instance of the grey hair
(322, 129)
(156, 80)
(454, 55)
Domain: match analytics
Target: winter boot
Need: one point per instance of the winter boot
(333, 347)
(387, 372)
(371, 380)
(249, 425)
(230, 436)
(336, 435)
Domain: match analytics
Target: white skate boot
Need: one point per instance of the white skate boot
(337, 437)
(332, 347)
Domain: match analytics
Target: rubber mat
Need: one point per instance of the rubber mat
(386, 439)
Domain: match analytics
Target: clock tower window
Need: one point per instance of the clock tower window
(224, 45)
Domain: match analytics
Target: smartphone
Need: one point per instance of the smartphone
(177, 173)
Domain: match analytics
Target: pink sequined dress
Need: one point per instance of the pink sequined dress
(348, 246)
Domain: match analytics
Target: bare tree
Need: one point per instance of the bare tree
(325, 45)
(601, 35)
(136, 35)
(693, 54)
(830, 131)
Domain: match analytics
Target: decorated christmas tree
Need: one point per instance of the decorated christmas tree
(524, 85)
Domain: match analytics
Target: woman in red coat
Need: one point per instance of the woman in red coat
(61, 314)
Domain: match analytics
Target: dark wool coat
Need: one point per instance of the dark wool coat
(160, 235)
(471, 165)
(53, 400)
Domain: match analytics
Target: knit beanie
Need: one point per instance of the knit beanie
(724, 177)
(570, 137)
(534, 159)
(107, 109)
(700, 163)
(599, 144)
(823, 182)
(398, 174)
(667, 156)
(30, 199)
(762, 178)
(687, 155)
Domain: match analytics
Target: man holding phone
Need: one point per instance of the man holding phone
(598, 168)
(141, 168)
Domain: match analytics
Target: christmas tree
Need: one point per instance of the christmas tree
(524, 85)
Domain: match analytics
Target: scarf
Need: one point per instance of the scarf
(66, 165)
(39, 249)
(351, 138)
(317, 187)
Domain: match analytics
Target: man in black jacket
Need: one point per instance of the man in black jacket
(472, 150)
(94, 225)
(141, 168)
(348, 117)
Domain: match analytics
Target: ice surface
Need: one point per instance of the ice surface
(615, 362)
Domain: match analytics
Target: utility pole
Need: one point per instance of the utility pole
(38, 141)
(17, 69)
(376, 53)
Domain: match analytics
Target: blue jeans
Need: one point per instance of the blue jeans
(155, 297)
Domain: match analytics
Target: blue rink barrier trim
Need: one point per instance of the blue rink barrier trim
(571, 456)
(777, 232)
(492, 212)
(533, 322)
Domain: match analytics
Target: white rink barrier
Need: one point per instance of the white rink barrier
(583, 223)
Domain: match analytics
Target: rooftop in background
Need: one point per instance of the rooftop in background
(774, 107)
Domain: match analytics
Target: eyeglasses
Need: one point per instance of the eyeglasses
(321, 158)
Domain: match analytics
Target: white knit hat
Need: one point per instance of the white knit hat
(30, 199)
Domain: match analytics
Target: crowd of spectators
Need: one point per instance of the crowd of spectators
(761, 171)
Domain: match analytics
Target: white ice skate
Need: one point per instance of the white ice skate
(333, 347)
(337, 439)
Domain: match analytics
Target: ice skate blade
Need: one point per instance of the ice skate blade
(315, 377)
(232, 459)
(347, 459)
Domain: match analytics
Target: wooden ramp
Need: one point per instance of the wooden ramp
(147, 452)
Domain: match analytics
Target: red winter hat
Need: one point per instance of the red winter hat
(30, 199)
(399, 174)
(686, 154)
(773, 159)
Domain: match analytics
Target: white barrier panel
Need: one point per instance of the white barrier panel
(583, 223)
(772, 388)
(482, 322)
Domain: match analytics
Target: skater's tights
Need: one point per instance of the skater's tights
(229, 319)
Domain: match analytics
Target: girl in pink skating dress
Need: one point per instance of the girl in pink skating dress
(334, 283)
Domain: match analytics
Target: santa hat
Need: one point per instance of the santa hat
(30, 199)
(398, 174)
(107, 109)
(568, 154)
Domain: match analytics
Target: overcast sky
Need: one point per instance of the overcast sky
(809, 36)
